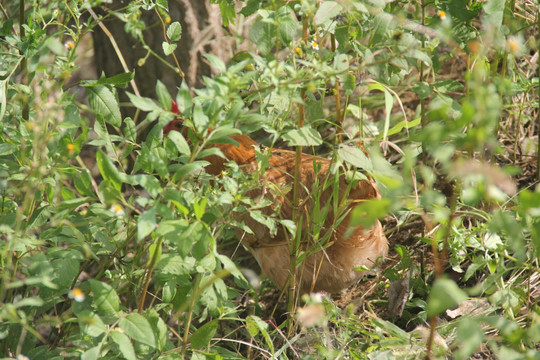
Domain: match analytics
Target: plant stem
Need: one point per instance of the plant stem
(24, 68)
(149, 274)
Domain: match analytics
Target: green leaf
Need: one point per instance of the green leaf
(148, 182)
(103, 102)
(446, 86)
(494, 10)
(200, 120)
(174, 31)
(251, 7)
(327, 11)
(262, 33)
(124, 344)
(105, 299)
(146, 223)
(369, 211)
(305, 136)
(181, 170)
(159, 328)
(422, 89)
(180, 143)
(168, 49)
(341, 62)
(138, 328)
(255, 324)
(403, 124)
(108, 170)
(120, 80)
(183, 99)
(470, 336)
(130, 130)
(204, 334)
(92, 353)
(216, 62)
(445, 294)
(164, 98)
(143, 103)
(388, 104)
(356, 157)
(222, 135)
(199, 207)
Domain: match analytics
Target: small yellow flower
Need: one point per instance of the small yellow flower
(117, 210)
(168, 20)
(70, 147)
(314, 45)
(513, 45)
(298, 51)
(70, 45)
(441, 14)
(77, 295)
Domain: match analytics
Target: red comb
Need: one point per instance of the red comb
(174, 108)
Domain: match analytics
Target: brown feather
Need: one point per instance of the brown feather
(330, 265)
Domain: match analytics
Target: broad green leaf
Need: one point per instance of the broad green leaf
(92, 353)
(174, 31)
(251, 7)
(138, 328)
(164, 98)
(90, 323)
(105, 299)
(327, 11)
(124, 344)
(445, 294)
(130, 130)
(108, 170)
(262, 33)
(143, 103)
(382, 22)
(470, 336)
(341, 62)
(403, 124)
(200, 120)
(180, 143)
(305, 136)
(204, 334)
(446, 86)
(199, 208)
(168, 49)
(368, 211)
(229, 265)
(356, 157)
(216, 62)
(494, 10)
(160, 330)
(255, 324)
(120, 80)
(222, 135)
(146, 223)
(148, 182)
(104, 102)
(183, 99)
(422, 89)
(287, 25)
(181, 170)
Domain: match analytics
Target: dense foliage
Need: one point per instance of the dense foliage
(112, 246)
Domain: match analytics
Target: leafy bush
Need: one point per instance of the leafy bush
(135, 260)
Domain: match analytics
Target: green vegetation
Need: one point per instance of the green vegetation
(139, 259)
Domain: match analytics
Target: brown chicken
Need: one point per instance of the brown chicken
(330, 264)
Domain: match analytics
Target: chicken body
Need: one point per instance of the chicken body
(333, 254)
